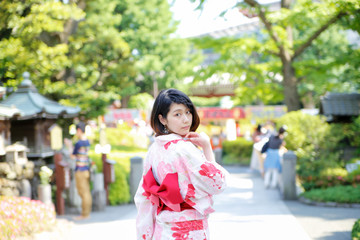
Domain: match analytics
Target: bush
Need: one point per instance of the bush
(317, 145)
(355, 233)
(339, 194)
(305, 133)
(238, 151)
(119, 191)
(22, 217)
(124, 135)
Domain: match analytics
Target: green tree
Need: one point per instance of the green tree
(160, 57)
(100, 60)
(282, 47)
(31, 39)
(91, 52)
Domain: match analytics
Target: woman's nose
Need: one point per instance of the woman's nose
(186, 118)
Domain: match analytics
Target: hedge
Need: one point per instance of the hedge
(237, 151)
(355, 233)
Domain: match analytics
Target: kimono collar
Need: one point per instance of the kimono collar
(167, 140)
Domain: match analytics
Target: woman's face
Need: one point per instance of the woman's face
(178, 119)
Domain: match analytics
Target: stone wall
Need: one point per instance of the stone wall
(15, 178)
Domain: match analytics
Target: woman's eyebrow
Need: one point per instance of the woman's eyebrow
(181, 110)
(178, 110)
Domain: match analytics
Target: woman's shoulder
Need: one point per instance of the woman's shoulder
(184, 145)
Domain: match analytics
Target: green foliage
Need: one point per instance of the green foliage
(89, 53)
(318, 146)
(355, 175)
(123, 148)
(288, 55)
(329, 178)
(305, 133)
(355, 232)
(238, 151)
(124, 135)
(333, 172)
(205, 102)
(119, 190)
(99, 56)
(339, 194)
(354, 135)
(244, 62)
(322, 66)
(29, 39)
(141, 101)
(157, 53)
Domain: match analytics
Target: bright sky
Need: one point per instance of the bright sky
(194, 23)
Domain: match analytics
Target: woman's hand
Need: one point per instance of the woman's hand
(200, 139)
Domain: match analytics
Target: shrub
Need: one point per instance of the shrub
(237, 151)
(124, 135)
(305, 133)
(121, 152)
(317, 145)
(340, 194)
(22, 217)
(355, 233)
(119, 191)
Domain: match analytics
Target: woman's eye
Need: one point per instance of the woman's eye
(177, 115)
(188, 112)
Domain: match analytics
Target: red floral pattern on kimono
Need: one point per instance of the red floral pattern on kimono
(182, 230)
(198, 180)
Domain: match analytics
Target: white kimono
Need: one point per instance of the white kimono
(174, 197)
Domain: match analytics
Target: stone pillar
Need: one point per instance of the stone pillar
(98, 193)
(74, 198)
(25, 188)
(136, 170)
(218, 155)
(289, 176)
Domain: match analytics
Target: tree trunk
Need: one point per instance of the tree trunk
(292, 99)
(125, 101)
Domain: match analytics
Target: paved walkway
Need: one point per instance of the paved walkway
(245, 210)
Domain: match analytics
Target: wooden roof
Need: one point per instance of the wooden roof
(32, 105)
(340, 105)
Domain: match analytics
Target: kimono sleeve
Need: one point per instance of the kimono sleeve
(145, 220)
(207, 178)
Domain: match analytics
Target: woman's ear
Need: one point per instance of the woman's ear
(162, 120)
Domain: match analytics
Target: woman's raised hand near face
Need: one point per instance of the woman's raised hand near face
(203, 141)
(200, 139)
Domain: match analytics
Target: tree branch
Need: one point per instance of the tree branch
(267, 24)
(100, 78)
(316, 34)
(273, 53)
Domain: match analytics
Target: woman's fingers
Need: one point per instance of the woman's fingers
(192, 135)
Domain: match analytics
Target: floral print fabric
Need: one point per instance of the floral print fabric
(198, 181)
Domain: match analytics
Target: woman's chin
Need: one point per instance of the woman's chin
(183, 133)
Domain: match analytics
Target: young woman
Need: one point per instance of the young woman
(174, 198)
(273, 157)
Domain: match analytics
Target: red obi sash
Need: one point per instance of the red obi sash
(166, 196)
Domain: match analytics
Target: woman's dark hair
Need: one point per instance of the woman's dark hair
(162, 106)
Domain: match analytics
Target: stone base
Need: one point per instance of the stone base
(99, 200)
